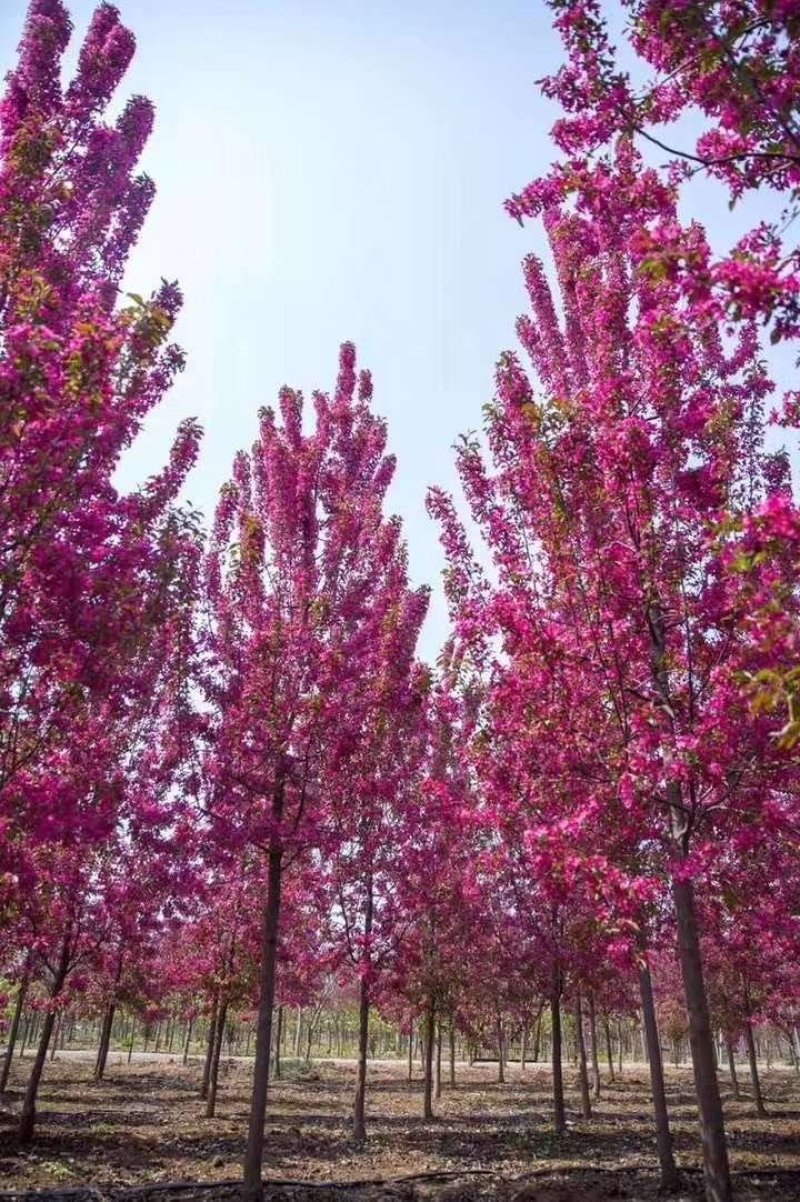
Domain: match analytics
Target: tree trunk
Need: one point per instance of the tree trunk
(437, 1078)
(583, 1074)
(619, 1046)
(254, 1154)
(712, 1125)
(523, 1055)
(430, 1039)
(537, 1036)
(278, 1037)
(609, 1048)
(105, 1042)
(595, 1055)
(359, 1120)
(643, 1036)
(210, 1041)
(501, 1068)
(213, 1075)
(26, 1030)
(57, 1032)
(187, 1041)
(297, 1032)
(19, 1005)
(754, 1077)
(670, 1180)
(27, 1118)
(737, 1095)
(411, 1049)
(31, 1031)
(559, 1111)
(452, 1053)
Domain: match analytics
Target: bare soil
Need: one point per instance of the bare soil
(145, 1124)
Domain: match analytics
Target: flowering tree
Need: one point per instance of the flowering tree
(85, 569)
(430, 969)
(301, 576)
(736, 64)
(96, 588)
(373, 781)
(612, 485)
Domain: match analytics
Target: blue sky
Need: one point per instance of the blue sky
(331, 170)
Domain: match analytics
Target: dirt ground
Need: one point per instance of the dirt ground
(145, 1124)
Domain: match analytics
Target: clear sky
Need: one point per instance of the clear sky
(331, 170)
